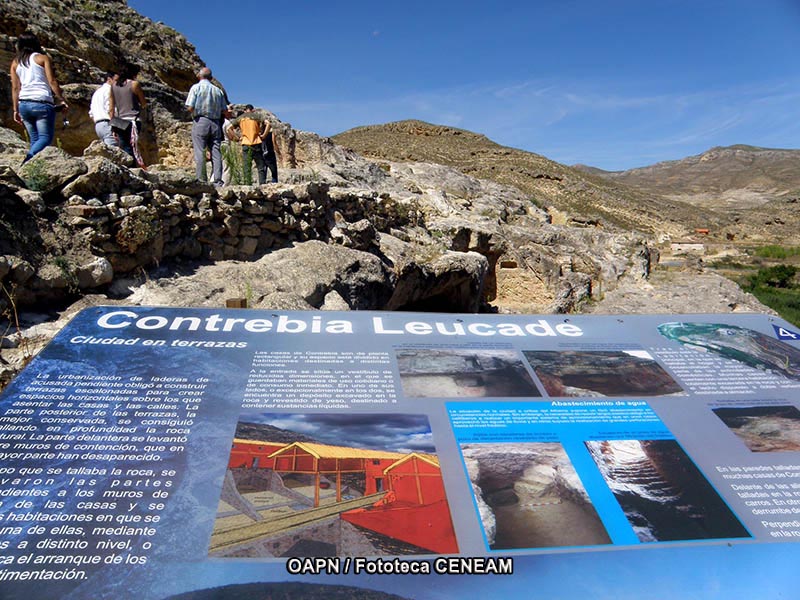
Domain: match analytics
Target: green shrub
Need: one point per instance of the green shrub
(232, 157)
(727, 262)
(68, 272)
(777, 276)
(34, 174)
(777, 252)
(777, 287)
(786, 302)
(537, 203)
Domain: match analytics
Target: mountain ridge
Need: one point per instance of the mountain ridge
(717, 169)
(725, 190)
(586, 197)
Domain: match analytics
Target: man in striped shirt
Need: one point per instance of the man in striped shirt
(206, 102)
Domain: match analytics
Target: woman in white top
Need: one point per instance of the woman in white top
(34, 90)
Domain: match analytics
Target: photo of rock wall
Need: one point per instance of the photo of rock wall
(463, 373)
(663, 494)
(764, 428)
(620, 373)
(529, 496)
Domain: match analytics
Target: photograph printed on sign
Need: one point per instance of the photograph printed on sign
(463, 373)
(764, 428)
(332, 485)
(663, 494)
(740, 344)
(571, 373)
(529, 496)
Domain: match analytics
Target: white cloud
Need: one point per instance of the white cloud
(610, 124)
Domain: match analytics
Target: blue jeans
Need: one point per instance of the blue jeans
(40, 122)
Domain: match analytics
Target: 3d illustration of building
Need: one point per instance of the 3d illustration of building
(252, 454)
(404, 496)
(414, 506)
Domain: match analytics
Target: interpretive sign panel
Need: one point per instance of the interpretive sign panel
(156, 453)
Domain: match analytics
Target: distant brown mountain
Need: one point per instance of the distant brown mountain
(591, 170)
(732, 177)
(741, 193)
(583, 197)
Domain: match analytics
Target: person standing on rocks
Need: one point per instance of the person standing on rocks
(126, 104)
(100, 111)
(34, 90)
(251, 132)
(226, 147)
(270, 158)
(206, 102)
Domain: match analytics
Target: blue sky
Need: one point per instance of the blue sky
(614, 84)
(392, 432)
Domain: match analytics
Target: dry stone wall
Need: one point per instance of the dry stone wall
(111, 226)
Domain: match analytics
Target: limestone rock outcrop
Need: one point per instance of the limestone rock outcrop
(87, 38)
(84, 40)
(303, 276)
(438, 250)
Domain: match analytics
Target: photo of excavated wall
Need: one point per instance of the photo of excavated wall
(575, 373)
(463, 373)
(663, 494)
(529, 496)
(764, 428)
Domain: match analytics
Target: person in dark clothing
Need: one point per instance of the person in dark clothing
(268, 146)
(125, 107)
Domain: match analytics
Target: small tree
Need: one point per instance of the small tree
(777, 276)
(232, 157)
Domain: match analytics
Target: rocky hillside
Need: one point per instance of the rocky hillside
(759, 188)
(419, 224)
(573, 196)
(85, 38)
(757, 174)
(738, 193)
